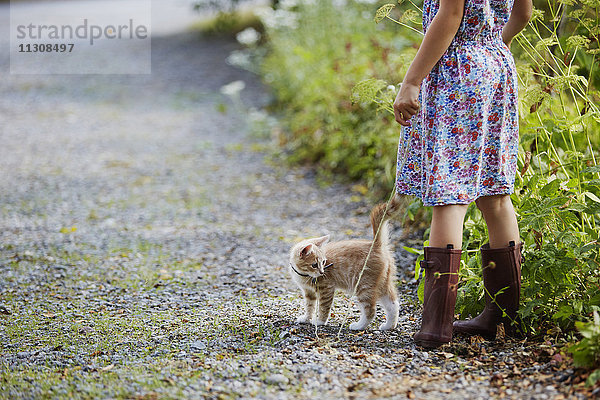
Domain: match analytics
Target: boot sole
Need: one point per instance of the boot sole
(429, 344)
(473, 332)
(486, 337)
(487, 334)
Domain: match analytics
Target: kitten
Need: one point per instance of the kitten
(319, 268)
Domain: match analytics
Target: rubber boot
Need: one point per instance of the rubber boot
(501, 272)
(441, 279)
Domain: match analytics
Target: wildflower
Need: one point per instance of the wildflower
(233, 88)
(288, 4)
(239, 59)
(277, 19)
(248, 37)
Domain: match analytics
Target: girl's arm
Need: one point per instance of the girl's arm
(439, 35)
(519, 17)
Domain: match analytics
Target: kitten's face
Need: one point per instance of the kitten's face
(308, 257)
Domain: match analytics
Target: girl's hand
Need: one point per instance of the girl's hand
(406, 104)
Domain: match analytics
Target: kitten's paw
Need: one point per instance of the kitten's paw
(386, 327)
(303, 320)
(358, 326)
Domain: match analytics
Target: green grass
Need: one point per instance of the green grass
(126, 360)
(228, 23)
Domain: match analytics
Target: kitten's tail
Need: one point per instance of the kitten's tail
(380, 217)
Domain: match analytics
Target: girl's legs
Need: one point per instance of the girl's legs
(441, 266)
(500, 219)
(501, 261)
(499, 215)
(447, 225)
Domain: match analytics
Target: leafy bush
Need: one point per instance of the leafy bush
(325, 51)
(225, 17)
(317, 54)
(586, 353)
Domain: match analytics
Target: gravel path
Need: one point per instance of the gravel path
(143, 244)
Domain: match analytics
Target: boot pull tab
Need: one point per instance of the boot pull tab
(513, 244)
(450, 247)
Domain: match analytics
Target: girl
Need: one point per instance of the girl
(458, 108)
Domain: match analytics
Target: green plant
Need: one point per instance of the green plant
(586, 353)
(316, 54)
(227, 23)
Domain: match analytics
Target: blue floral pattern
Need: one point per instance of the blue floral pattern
(463, 142)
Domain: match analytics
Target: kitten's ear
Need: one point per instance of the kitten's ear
(321, 241)
(306, 250)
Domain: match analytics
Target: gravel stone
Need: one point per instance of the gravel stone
(277, 379)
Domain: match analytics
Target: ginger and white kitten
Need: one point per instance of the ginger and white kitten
(319, 268)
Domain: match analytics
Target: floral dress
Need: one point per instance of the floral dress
(463, 142)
